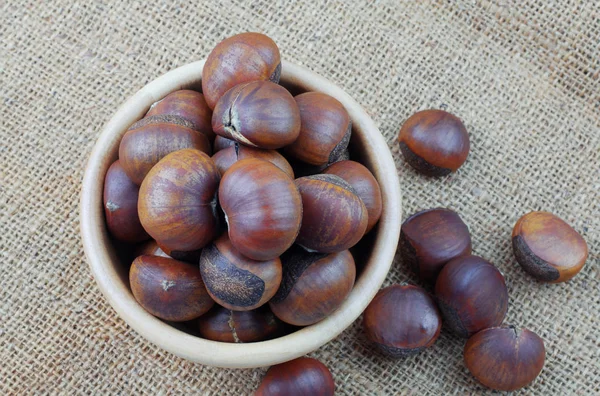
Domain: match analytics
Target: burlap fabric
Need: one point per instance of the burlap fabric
(524, 77)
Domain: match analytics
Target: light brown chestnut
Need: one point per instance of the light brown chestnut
(228, 156)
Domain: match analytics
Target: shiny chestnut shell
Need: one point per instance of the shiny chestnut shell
(505, 358)
(228, 156)
(471, 294)
(238, 59)
(224, 325)
(434, 142)
(169, 289)
(548, 248)
(299, 377)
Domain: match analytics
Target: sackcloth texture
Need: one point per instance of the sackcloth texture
(523, 75)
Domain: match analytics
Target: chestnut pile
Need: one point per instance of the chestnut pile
(226, 234)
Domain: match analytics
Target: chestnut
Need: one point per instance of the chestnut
(431, 238)
(505, 358)
(299, 377)
(325, 129)
(238, 59)
(188, 256)
(471, 294)
(221, 143)
(434, 142)
(234, 281)
(169, 289)
(120, 206)
(224, 325)
(178, 204)
(334, 217)
(365, 185)
(262, 207)
(148, 248)
(548, 248)
(302, 169)
(402, 320)
(313, 285)
(228, 156)
(258, 114)
(150, 139)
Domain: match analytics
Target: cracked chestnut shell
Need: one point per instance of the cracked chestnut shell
(434, 142)
(187, 104)
(257, 114)
(230, 155)
(238, 59)
(178, 204)
(334, 217)
(364, 184)
(224, 325)
(235, 281)
(262, 207)
(120, 206)
(150, 139)
(505, 358)
(222, 143)
(431, 238)
(325, 129)
(402, 320)
(169, 289)
(548, 248)
(299, 377)
(471, 294)
(313, 285)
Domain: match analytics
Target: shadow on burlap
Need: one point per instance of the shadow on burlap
(524, 78)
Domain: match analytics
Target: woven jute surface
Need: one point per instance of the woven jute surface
(524, 77)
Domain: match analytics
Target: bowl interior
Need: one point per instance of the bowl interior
(110, 260)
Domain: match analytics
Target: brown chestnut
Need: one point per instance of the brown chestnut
(238, 59)
(237, 282)
(434, 142)
(120, 206)
(402, 320)
(188, 256)
(150, 139)
(325, 129)
(224, 325)
(178, 204)
(225, 158)
(313, 285)
(471, 294)
(258, 114)
(169, 289)
(365, 185)
(334, 217)
(547, 248)
(222, 143)
(187, 104)
(262, 207)
(431, 238)
(299, 377)
(505, 358)
(148, 248)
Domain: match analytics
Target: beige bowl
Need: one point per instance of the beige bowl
(111, 273)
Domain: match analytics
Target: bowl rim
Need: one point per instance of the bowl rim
(100, 255)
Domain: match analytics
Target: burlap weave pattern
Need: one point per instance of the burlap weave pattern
(524, 77)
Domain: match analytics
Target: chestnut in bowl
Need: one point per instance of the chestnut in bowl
(221, 143)
(228, 156)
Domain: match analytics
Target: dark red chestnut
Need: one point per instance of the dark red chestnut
(169, 289)
(235, 281)
(313, 285)
(325, 129)
(365, 185)
(238, 59)
(434, 142)
(472, 295)
(262, 207)
(258, 114)
(299, 377)
(334, 217)
(505, 358)
(228, 156)
(431, 238)
(120, 206)
(402, 320)
(177, 204)
(150, 139)
(224, 325)
(222, 143)
(547, 248)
